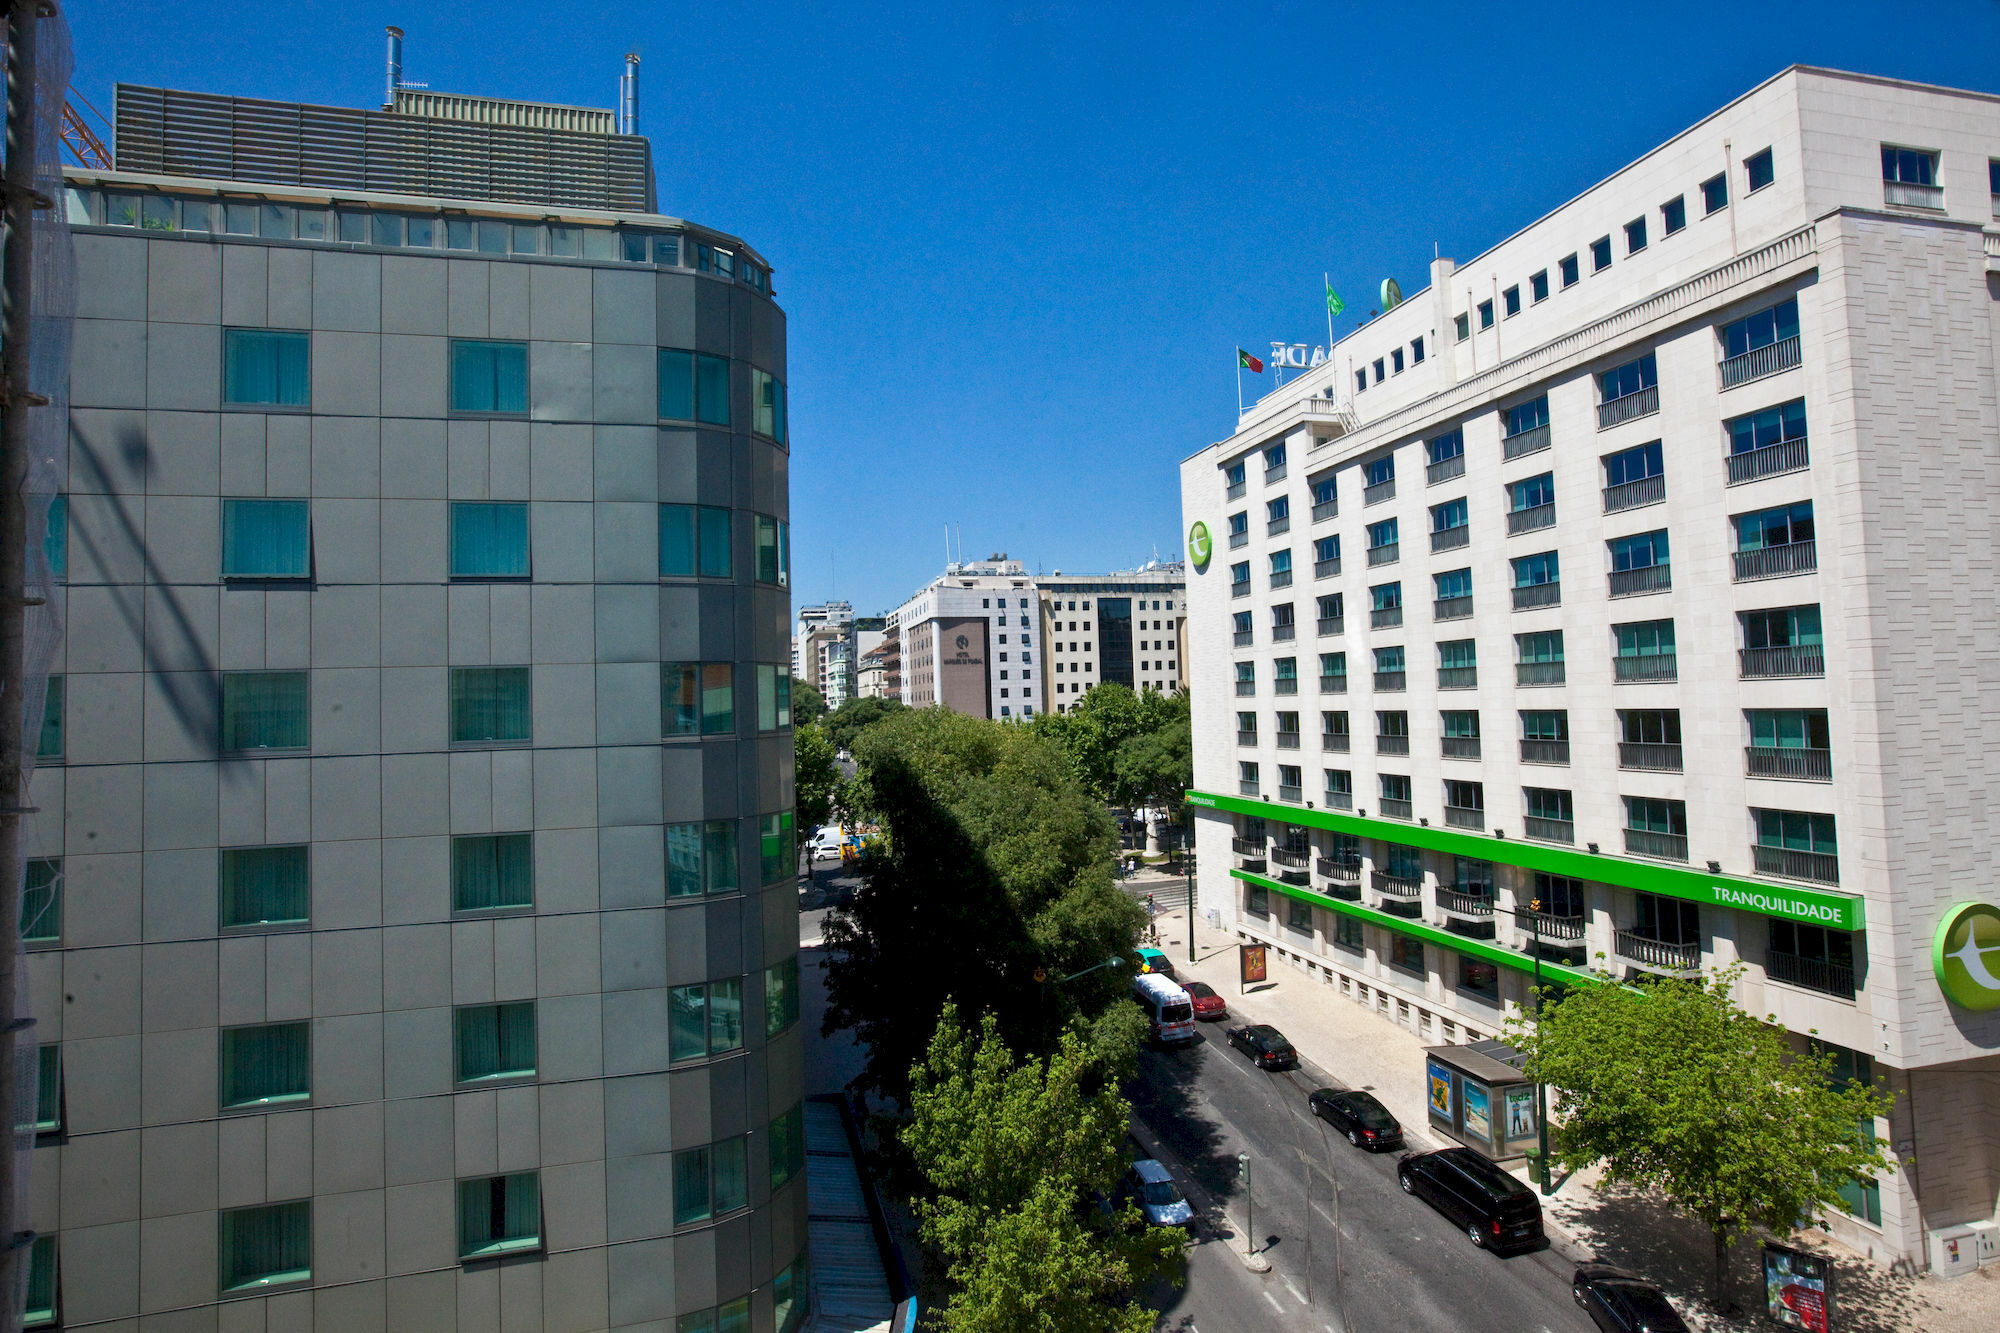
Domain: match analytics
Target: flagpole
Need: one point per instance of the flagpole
(1328, 279)
(1239, 387)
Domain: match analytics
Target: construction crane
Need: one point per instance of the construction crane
(83, 142)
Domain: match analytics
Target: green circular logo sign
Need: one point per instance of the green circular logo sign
(1966, 956)
(1199, 546)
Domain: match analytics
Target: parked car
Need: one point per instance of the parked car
(1265, 1045)
(1622, 1302)
(1497, 1211)
(1152, 1187)
(1152, 960)
(1366, 1122)
(1207, 1004)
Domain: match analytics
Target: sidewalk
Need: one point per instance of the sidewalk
(1362, 1048)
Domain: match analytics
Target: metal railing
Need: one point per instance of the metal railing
(1285, 685)
(1242, 638)
(1325, 509)
(1759, 362)
(1650, 756)
(1246, 787)
(1646, 578)
(1775, 562)
(1475, 905)
(1245, 736)
(1333, 684)
(1331, 625)
(1629, 408)
(1273, 474)
(1769, 461)
(1247, 846)
(1380, 491)
(1794, 863)
(1810, 973)
(1390, 886)
(1539, 673)
(1237, 539)
(1458, 678)
(1385, 554)
(1450, 539)
(1236, 490)
(1798, 659)
(1527, 596)
(1781, 761)
(1459, 816)
(1530, 441)
(1451, 608)
(1282, 633)
(1285, 856)
(1288, 740)
(1460, 747)
(1544, 752)
(1628, 668)
(1245, 688)
(1549, 830)
(1392, 680)
(1635, 494)
(1552, 927)
(1903, 194)
(1445, 469)
(1277, 525)
(1335, 742)
(1241, 588)
(1532, 519)
(1387, 617)
(1281, 578)
(1289, 792)
(1664, 846)
(1337, 870)
(1326, 569)
(1648, 952)
(1395, 809)
(1392, 744)
(1340, 800)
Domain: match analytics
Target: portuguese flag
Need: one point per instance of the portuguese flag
(1245, 361)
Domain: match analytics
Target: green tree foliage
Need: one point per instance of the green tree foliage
(1154, 769)
(808, 704)
(817, 781)
(848, 721)
(1675, 1088)
(1095, 728)
(1013, 1154)
(996, 865)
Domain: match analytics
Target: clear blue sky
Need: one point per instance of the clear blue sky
(1019, 243)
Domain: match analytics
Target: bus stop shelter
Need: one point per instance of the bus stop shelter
(1480, 1099)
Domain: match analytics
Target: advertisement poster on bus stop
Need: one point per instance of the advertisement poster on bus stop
(1795, 1288)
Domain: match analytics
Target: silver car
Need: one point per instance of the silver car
(1153, 1189)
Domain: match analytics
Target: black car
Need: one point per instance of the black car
(1366, 1122)
(1497, 1211)
(1265, 1045)
(1622, 1302)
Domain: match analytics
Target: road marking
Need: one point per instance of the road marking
(1300, 1296)
(1274, 1302)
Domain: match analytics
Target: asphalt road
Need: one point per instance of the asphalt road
(1375, 1260)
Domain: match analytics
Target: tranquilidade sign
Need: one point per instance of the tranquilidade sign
(1199, 544)
(1965, 955)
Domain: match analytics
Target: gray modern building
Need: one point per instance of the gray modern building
(417, 944)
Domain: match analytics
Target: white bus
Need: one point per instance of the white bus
(1169, 1011)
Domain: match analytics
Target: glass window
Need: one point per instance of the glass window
(1538, 286)
(1782, 526)
(1546, 646)
(385, 229)
(1569, 269)
(265, 710)
(1511, 300)
(1281, 563)
(781, 996)
(353, 227)
(1274, 510)
(1714, 194)
(55, 544)
(491, 871)
(491, 705)
(774, 696)
(266, 539)
(266, 1064)
(1763, 430)
(701, 858)
(1642, 551)
(695, 539)
(489, 377)
(691, 1196)
(1389, 659)
(266, 368)
(774, 551)
(1630, 465)
(49, 742)
(492, 237)
(1456, 655)
(777, 852)
(1782, 627)
(265, 1246)
(1454, 583)
(1333, 664)
(1385, 596)
(524, 240)
(39, 1310)
(1406, 954)
(711, 389)
(563, 241)
(1788, 728)
(1532, 492)
(704, 1020)
(1549, 803)
(1645, 638)
(1445, 447)
(265, 886)
(1416, 351)
(1379, 470)
(731, 1159)
(1630, 378)
(1524, 417)
(1649, 814)
(1326, 548)
(1532, 571)
(1545, 725)
(495, 1041)
(1485, 314)
(274, 221)
(421, 233)
(767, 397)
(1635, 236)
(1758, 170)
(41, 901)
(1673, 215)
(1600, 254)
(1762, 329)
(195, 215)
(1462, 325)
(1908, 166)
(499, 1214)
(315, 224)
(1796, 830)
(489, 541)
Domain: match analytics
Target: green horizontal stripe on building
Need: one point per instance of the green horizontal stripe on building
(1841, 911)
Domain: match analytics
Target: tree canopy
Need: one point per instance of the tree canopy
(1675, 1088)
(817, 781)
(849, 720)
(808, 704)
(1094, 734)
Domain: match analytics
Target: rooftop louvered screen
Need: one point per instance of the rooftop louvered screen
(165, 132)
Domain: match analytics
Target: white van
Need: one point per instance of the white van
(826, 842)
(1169, 1010)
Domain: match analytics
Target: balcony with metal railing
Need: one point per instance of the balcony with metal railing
(1631, 407)
(1273, 475)
(1325, 509)
(1334, 742)
(1445, 469)
(1340, 800)
(1906, 194)
(1528, 596)
(1246, 736)
(1544, 752)
(1759, 362)
(1385, 554)
(1776, 562)
(1771, 460)
(1281, 578)
(1458, 678)
(1245, 688)
(1451, 608)
(1247, 847)
(1331, 625)
(1241, 638)
(1285, 685)
(1640, 581)
(1380, 491)
(1532, 519)
(1552, 928)
(1392, 808)
(1238, 539)
(1391, 681)
(1659, 846)
(1326, 569)
(1816, 974)
(1392, 744)
(1246, 787)
(1288, 740)
(1288, 791)
(1396, 892)
(1333, 684)
(1649, 756)
(1236, 490)
(1549, 830)
(1793, 763)
(1635, 494)
(1471, 906)
(1797, 863)
(1283, 633)
(1450, 539)
(1530, 441)
(1789, 660)
(1464, 816)
(1634, 668)
(1460, 747)
(1277, 526)
(1342, 878)
(1240, 588)
(1291, 858)
(1385, 617)
(1659, 955)
(1540, 673)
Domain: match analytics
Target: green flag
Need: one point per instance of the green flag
(1334, 305)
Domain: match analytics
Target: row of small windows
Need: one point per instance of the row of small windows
(488, 377)
(165, 213)
(1800, 735)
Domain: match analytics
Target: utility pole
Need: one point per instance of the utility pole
(1541, 1088)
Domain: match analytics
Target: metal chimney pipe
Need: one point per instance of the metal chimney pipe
(628, 95)
(395, 80)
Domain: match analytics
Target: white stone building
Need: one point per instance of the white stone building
(1127, 627)
(969, 641)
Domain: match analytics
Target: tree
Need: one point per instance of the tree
(817, 781)
(808, 704)
(1676, 1088)
(993, 880)
(849, 720)
(1154, 769)
(1094, 728)
(1013, 1154)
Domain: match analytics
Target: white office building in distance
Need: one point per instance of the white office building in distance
(1520, 598)
(1125, 628)
(969, 640)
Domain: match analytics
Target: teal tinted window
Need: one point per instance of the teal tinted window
(781, 996)
(695, 540)
(499, 1215)
(489, 541)
(265, 710)
(491, 871)
(265, 1246)
(715, 554)
(494, 1041)
(767, 394)
(49, 742)
(55, 544)
(266, 539)
(491, 705)
(265, 1064)
(40, 1310)
(263, 886)
(41, 902)
(676, 384)
(48, 1089)
(691, 1197)
(489, 377)
(697, 698)
(776, 853)
(704, 1020)
(266, 368)
(788, 1145)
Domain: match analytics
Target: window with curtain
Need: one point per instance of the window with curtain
(695, 540)
(265, 886)
(715, 560)
(777, 853)
(265, 1064)
(781, 996)
(499, 1215)
(711, 389)
(264, 1246)
(767, 396)
(489, 541)
(694, 386)
(691, 1194)
(676, 384)
(266, 539)
(774, 696)
(489, 378)
(48, 1089)
(41, 902)
(49, 741)
(40, 1309)
(266, 368)
(731, 1159)
(774, 551)
(788, 1145)
(55, 541)
(265, 710)
(494, 1041)
(490, 871)
(491, 705)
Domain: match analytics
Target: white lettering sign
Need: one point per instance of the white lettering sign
(1296, 356)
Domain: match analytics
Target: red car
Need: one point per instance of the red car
(1207, 1004)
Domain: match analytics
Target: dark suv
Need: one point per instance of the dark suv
(1497, 1211)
